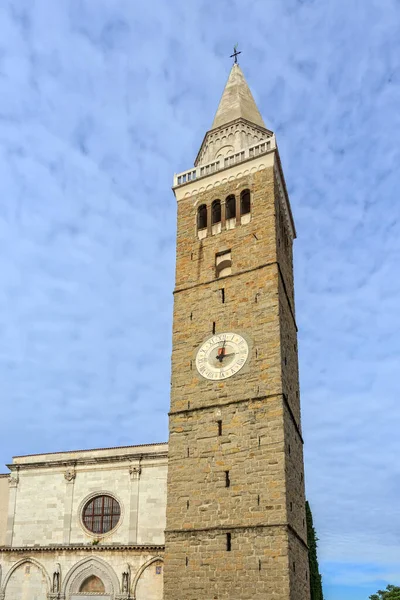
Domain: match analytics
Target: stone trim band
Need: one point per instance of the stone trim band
(241, 527)
(230, 402)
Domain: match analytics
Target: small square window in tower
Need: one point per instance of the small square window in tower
(223, 264)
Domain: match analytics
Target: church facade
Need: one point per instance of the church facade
(86, 524)
(224, 518)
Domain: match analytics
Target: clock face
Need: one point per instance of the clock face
(222, 356)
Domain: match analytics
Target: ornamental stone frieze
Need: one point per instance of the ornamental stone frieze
(13, 480)
(70, 474)
(135, 471)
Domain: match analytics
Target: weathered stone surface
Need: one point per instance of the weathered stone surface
(46, 545)
(260, 444)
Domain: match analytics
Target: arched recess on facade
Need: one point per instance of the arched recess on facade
(88, 567)
(141, 571)
(20, 564)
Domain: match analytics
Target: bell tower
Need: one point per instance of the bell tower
(235, 506)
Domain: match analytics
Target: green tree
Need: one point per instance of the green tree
(315, 577)
(392, 592)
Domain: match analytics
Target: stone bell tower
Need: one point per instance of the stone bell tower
(235, 510)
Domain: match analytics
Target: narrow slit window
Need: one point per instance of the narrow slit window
(228, 542)
(219, 427)
(213, 328)
(223, 295)
(245, 204)
(227, 479)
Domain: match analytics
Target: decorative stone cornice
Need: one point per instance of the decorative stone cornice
(87, 548)
(89, 461)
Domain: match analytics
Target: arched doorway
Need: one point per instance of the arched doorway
(150, 581)
(27, 581)
(91, 578)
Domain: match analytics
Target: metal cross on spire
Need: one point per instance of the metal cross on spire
(235, 53)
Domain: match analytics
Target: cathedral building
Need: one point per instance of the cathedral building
(219, 514)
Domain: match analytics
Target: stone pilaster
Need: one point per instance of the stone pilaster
(69, 476)
(12, 504)
(134, 471)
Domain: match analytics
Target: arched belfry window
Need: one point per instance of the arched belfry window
(216, 212)
(231, 207)
(202, 217)
(245, 204)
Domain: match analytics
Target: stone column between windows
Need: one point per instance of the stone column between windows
(12, 505)
(209, 219)
(223, 214)
(134, 472)
(237, 200)
(69, 476)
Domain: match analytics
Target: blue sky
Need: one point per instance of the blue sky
(100, 103)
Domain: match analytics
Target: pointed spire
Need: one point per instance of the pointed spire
(237, 101)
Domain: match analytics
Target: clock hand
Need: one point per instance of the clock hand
(221, 357)
(221, 352)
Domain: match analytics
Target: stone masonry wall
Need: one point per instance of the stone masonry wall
(195, 262)
(257, 425)
(256, 566)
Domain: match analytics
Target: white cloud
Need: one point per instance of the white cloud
(101, 104)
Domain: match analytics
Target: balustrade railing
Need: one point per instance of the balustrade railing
(223, 163)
